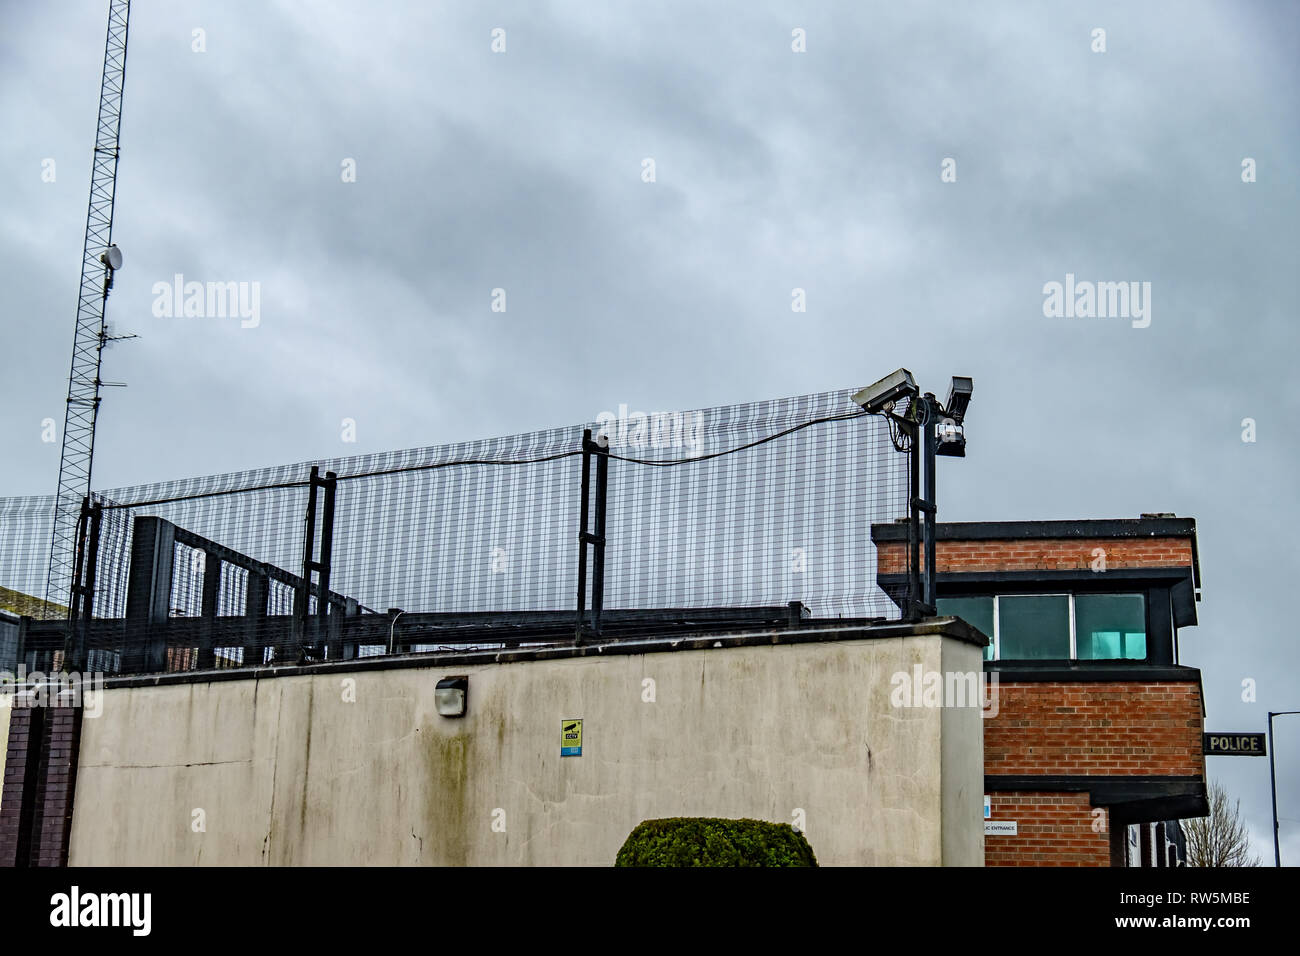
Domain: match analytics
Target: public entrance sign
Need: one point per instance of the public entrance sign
(1235, 745)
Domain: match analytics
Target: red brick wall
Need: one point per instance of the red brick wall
(1082, 728)
(1054, 829)
(1056, 554)
(1093, 728)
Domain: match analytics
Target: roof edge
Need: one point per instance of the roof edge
(1030, 530)
(951, 627)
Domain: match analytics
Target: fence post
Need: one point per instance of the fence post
(81, 607)
(208, 610)
(88, 603)
(72, 624)
(582, 532)
(599, 448)
(20, 647)
(914, 528)
(255, 596)
(148, 594)
(326, 613)
(598, 537)
(302, 600)
(348, 650)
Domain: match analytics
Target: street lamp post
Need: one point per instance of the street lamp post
(1272, 780)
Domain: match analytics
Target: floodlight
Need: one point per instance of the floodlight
(952, 439)
(450, 696)
(895, 385)
(959, 393)
(112, 258)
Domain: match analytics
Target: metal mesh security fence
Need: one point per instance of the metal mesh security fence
(756, 504)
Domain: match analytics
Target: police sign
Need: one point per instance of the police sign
(1234, 745)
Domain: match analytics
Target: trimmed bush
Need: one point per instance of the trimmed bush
(709, 841)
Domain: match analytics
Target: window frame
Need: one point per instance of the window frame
(996, 636)
(1146, 625)
(997, 624)
(997, 632)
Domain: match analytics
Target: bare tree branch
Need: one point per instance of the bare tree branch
(1220, 839)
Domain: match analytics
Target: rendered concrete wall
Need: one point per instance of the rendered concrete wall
(963, 765)
(288, 771)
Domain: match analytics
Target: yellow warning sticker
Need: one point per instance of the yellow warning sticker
(571, 737)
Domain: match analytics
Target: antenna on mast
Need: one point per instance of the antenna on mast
(100, 260)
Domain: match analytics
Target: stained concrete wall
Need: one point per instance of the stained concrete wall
(358, 768)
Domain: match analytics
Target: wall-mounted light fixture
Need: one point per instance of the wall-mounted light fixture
(451, 696)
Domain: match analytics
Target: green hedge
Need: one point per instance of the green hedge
(706, 841)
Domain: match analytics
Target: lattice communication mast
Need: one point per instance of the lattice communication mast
(99, 260)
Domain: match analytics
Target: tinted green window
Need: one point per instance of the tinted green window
(975, 611)
(1034, 627)
(1110, 626)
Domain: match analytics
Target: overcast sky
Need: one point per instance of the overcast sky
(774, 170)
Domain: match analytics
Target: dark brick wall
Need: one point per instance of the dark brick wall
(22, 756)
(39, 783)
(21, 783)
(59, 759)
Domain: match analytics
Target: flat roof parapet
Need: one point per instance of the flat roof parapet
(1028, 530)
(813, 631)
